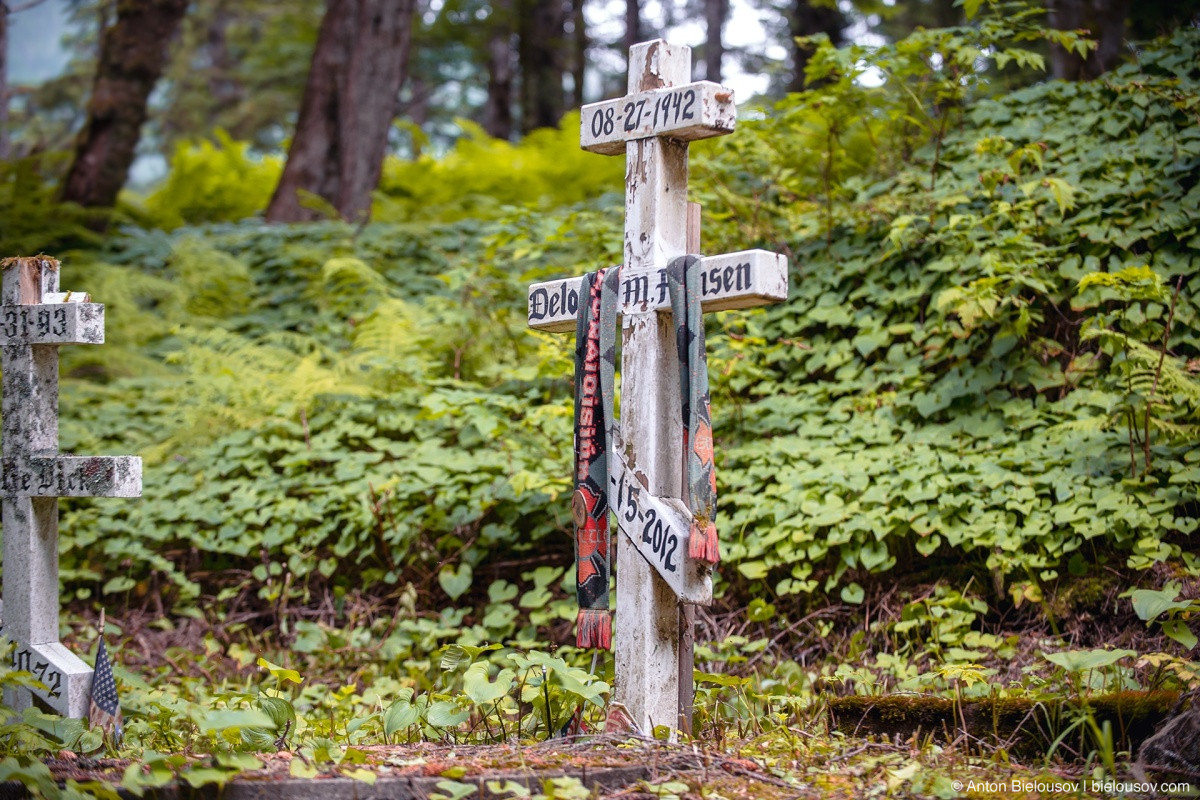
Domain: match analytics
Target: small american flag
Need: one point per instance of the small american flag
(105, 708)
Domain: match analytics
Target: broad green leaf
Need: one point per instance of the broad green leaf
(1149, 604)
(360, 774)
(278, 709)
(1178, 630)
(280, 673)
(400, 716)
(197, 777)
(719, 679)
(453, 790)
(753, 570)
(480, 689)
(853, 593)
(225, 719)
(446, 714)
(1080, 660)
(455, 582)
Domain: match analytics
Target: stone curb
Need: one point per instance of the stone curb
(384, 788)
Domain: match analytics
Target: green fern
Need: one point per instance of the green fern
(229, 382)
(350, 287)
(212, 181)
(215, 284)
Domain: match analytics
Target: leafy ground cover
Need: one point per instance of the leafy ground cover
(960, 462)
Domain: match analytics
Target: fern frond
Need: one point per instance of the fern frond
(1175, 431)
(350, 286)
(216, 284)
(227, 381)
(1087, 425)
(140, 308)
(397, 344)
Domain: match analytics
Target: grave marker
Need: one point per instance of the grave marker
(652, 125)
(35, 319)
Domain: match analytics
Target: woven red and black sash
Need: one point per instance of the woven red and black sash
(595, 365)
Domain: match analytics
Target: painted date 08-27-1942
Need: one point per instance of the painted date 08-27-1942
(670, 108)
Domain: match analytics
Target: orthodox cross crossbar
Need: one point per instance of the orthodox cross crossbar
(657, 582)
(35, 319)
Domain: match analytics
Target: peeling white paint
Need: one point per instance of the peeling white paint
(654, 575)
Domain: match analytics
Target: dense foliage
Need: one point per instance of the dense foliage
(970, 372)
(952, 382)
(982, 394)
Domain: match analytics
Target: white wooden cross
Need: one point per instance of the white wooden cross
(652, 125)
(35, 318)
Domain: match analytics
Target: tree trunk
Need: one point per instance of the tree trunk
(497, 110)
(808, 19)
(223, 87)
(946, 14)
(3, 80)
(133, 52)
(715, 12)
(542, 28)
(578, 52)
(1106, 21)
(633, 24)
(349, 102)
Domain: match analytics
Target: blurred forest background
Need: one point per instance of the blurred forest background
(968, 438)
(339, 88)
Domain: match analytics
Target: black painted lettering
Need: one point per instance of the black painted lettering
(60, 322)
(637, 289)
(572, 301)
(538, 304)
(651, 517)
(662, 287)
(554, 301)
(743, 276)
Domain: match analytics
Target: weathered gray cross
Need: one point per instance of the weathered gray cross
(652, 125)
(35, 319)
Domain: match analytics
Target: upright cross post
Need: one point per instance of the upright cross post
(655, 577)
(647, 612)
(35, 319)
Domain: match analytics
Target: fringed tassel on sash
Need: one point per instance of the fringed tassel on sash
(594, 628)
(683, 283)
(595, 346)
